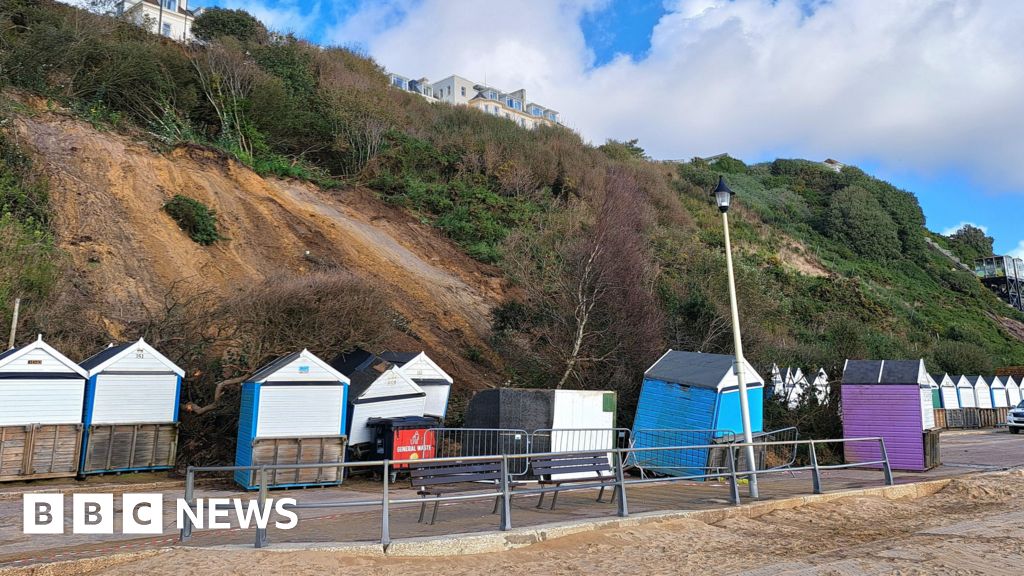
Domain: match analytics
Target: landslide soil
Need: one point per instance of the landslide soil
(107, 190)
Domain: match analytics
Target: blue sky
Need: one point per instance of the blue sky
(927, 95)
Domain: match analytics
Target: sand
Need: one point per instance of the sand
(973, 526)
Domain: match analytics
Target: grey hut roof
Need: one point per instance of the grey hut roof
(881, 372)
(360, 382)
(8, 352)
(274, 366)
(398, 358)
(973, 379)
(103, 355)
(691, 368)
(349, 363)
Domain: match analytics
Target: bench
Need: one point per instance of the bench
(440, 479)
(589, 468)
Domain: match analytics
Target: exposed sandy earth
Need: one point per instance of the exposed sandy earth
(108, 190)
(973, 526)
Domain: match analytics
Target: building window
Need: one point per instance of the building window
(398, 82)
(535, 111)
(463, 90)
(166, 30)
(492, 95)
(171, 5)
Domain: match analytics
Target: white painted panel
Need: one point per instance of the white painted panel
(1013, 392)
(950, 401)
(130, 399)
(303, 370)
(967, 399)
(138, 359)
(581, 409)
(421, 368)
(391, 383)
(37, 360)
(41, 401)
(359, 433)
(927, 411)
(983, 396)
(294, 411)
(437, 400)
(999, 398)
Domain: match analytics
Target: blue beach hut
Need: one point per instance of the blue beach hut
(691, 398)
(131, 410)
(292, 412)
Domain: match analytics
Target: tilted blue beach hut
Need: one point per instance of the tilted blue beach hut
(292, 412)
(693, 398)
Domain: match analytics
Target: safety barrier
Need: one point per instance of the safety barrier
(459, 442)
(618, 455)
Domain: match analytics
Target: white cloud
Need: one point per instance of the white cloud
(953, 229)
(918, 85)
(281, 16)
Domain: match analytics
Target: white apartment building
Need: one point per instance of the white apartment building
(170, 18)
(459, 91)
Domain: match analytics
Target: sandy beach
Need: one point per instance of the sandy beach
(973, 526)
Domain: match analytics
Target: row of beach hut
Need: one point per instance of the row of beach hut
(117, 411)
(954, 392)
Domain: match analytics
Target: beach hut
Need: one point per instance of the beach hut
(434, 381)
(982, 391)
(821, 386)
(131, 410)
(947, 393)
(41, 393)
(1013, 391)
(998, 390)
(292, 412)
(888, 398)
(378, 389)
(692, 391)
(776, 386)
(965, 392)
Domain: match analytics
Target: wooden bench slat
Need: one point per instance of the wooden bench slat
(573, 470)
(455, 479)
(587, 479)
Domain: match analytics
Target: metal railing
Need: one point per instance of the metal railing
(618, 455)
(460, 442)
(680, 462)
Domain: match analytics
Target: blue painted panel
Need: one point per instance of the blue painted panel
(344, 410)
(177, 400)
(247, 413)
(727, 416)
(90, 397)
(666, 405)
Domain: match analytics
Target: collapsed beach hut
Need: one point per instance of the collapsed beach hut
(982, 391)
(378, 389)
(1012, 391)
(292, 412)
(948, 394)
(434, 381)
(889, 398)
(131, 410)
(998, 390)
(41, 393)
(965, 392)
(692, 391)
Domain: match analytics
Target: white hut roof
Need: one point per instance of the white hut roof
(99, 361)
(8, 358)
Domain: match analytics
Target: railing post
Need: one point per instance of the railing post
(620, 484)
(186, 527)
(815, 473)
(734, 489)
(506, 497)
(886, 469)
(385, 527)
(261, 504)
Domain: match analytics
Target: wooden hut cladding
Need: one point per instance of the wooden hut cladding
(292, 412)
(378, 389)
(131, 410)
(435, 382)
(41, 394)
(883, 398)
(982, 392)
(693, 391)
(1012, 391)
(947, 393)
(998, 390)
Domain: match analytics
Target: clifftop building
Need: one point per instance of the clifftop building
(459, 91)
(170, 18)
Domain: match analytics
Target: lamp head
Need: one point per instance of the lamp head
(723, 194)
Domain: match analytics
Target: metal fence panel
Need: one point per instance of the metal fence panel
(682, 462)
(454, 442)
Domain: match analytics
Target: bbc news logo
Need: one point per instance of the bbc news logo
(144, 513)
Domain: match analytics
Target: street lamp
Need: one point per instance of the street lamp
(723, 196)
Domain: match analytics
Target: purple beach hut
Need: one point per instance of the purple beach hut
(883, 398)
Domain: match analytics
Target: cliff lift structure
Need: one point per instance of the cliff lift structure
(1004, 275)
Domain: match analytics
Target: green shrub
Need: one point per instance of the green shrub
(857, 219)
(192, 216)
(216, 23)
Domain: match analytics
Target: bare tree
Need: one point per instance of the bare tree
(226, 75)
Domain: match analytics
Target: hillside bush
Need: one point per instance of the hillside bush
(194, 218)
(856, 219)
(216, 23)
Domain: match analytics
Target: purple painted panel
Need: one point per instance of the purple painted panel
(890, 411)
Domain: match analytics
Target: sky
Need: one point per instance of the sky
(927, 94)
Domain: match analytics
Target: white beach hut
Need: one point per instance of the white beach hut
(982, 391)
(1013, 391)
(965, 392)
(998, 391)
(435, 382)
(947, 392)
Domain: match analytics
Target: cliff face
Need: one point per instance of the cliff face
(107, 191)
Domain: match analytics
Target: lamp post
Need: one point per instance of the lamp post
(723, 196)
